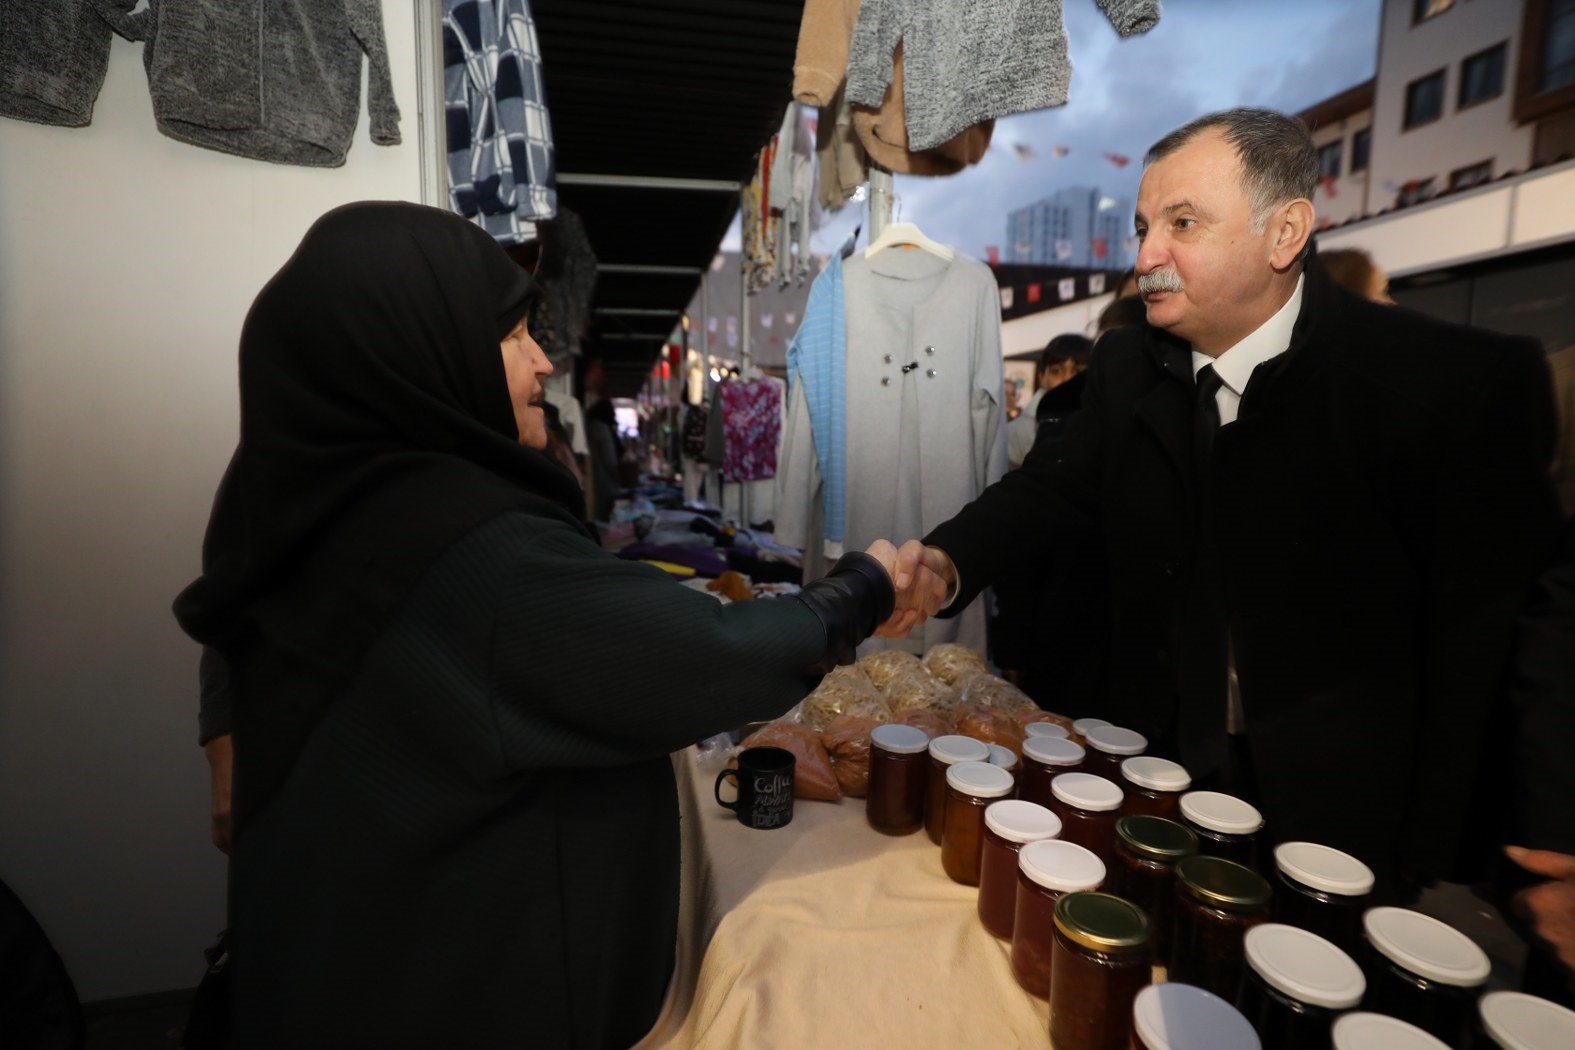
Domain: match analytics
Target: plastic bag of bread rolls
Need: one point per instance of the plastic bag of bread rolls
(812, 774)
(1036, 715)
(847, 741)
(998, 693)
(989, 725)
(883, 666)
(951, 663)
(933, 723)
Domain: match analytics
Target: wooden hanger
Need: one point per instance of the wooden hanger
(896, 233)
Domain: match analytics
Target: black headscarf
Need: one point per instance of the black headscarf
(376, 429)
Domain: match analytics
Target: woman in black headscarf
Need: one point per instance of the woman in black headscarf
(455, 821)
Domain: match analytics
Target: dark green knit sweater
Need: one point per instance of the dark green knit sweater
(479, 845)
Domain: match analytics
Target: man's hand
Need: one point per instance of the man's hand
(221, 761)
(923, 577)
(1550, 906)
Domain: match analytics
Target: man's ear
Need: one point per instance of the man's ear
(1292, 224)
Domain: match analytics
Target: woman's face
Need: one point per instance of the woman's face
(526, 366)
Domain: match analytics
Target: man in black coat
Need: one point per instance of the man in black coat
(1316, 566)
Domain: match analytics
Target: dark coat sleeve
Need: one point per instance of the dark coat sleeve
(600, 661)
(1541, 701)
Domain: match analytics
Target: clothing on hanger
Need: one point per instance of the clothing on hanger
(752, 427)
(965, 63)
(53, 58)
(500, 152)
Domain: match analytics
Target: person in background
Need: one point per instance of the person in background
(1118, 313)
(1355, 271)
(1062, 361)
(1319, 516)
(454, 817)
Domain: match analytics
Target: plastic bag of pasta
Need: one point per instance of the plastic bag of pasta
(951, 663)
(915, 690)
(884, 665)
(998, 693)
(835, 694)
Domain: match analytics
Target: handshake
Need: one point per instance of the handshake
(923, 578)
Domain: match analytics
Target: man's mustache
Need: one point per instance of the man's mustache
(1159, 281)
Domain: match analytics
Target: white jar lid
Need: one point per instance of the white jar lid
(900, 739)
(1046, 729)
(1064, 867)
(979, 779)
(1156, 774)
(1225, 814)
(1018, 821)
(1365, 1031)
(1081, 726)
(1517, 1021)
(1304, 966)
(1425, 946)
(1183, 1017)
(1004, 757)
(1086, 791)
(1053, 751)
(1324, 869)
(953, 748)
(1113, 740)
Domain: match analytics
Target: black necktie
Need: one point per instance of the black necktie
(1206, 419)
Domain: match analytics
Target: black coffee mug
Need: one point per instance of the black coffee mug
(764, 778)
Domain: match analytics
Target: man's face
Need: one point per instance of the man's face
(526, 366)
(1204, 275)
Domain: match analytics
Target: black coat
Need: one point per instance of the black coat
(1380, 505)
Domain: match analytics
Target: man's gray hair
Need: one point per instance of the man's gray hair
(1278, 160)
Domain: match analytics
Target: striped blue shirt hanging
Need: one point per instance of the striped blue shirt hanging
(500, 156)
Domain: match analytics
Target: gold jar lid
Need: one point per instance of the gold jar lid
(1222, 883)
(1102, 922)
(1156, 838)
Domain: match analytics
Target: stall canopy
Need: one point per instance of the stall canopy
(658, 110)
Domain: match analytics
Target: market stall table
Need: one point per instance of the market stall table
(826, 933)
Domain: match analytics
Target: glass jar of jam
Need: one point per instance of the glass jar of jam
(1180, 1017)
(1217, 902)
(1009, 825)
(1055, 729)
(1143, 869)
(1153, 786)
(1225, 825)
(1296, 984)
(1046, 870)
(970, 787)
(1108, 747)
(1360, 1030)
(1044, 759)
(1005, 758)
(1322, 890)
(1088, 807)
(1081, 726)
(1422, 971)
(946, 751)
(898, 762)
(1517, 1021)
(1100, 961)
